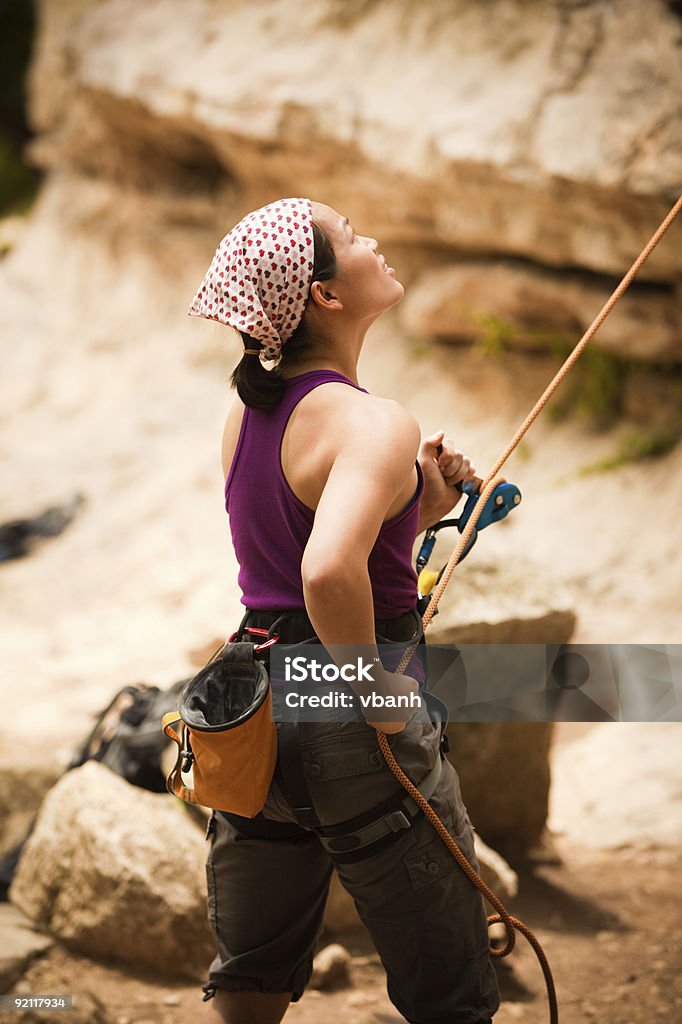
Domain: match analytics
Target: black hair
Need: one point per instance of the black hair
(261, 388)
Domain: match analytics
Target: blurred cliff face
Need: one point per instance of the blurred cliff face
(515, 156)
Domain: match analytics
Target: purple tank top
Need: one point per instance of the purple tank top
(270, 527)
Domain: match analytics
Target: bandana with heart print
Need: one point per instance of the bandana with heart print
(259, 278)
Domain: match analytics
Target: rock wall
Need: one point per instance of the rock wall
(516, 154)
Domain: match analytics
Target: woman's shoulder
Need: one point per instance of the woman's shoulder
(338, 404)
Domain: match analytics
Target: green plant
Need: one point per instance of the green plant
(594, 387)
(495, 333)
(636, 446)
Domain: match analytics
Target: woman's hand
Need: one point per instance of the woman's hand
(441, 473)
(393, 684)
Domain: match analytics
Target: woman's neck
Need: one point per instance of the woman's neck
(337, 349)
(347, 369)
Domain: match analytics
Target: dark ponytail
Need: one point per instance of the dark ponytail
(261, 388)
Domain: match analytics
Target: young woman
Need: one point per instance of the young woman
(327, 487)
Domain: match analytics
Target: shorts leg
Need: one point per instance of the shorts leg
(267, 888)
(427, 920)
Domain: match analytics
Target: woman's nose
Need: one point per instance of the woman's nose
(371, 242)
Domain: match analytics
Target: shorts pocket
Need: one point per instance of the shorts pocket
(341, 761)
(433, 860)
(428, 864)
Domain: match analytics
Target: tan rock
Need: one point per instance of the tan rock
(637, 802)
(512, 305)
(503, 765)
(511, 601)
(543, 137)
(331, 967)
(117, 872)
(505, 779)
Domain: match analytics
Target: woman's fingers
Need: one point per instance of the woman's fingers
(464, 471)
(454, 465)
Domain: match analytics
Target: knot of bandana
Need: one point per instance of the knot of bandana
(259, 278)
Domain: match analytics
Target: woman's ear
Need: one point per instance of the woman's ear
(324, 296)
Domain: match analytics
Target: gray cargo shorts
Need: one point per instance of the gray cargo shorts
(268, 878)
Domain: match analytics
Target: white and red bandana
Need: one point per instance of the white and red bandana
(259, 278)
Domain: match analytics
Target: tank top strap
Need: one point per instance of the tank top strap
(302, 383)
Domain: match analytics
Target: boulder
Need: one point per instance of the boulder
(118, 873)
(331, 967)
(504, 774)
(500, 601)
(502, 758)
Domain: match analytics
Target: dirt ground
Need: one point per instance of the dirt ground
(608, 921)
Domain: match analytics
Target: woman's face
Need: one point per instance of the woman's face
(364, 284)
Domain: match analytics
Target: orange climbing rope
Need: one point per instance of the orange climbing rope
(486, 489)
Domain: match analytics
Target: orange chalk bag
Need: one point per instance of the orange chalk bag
(225, 731)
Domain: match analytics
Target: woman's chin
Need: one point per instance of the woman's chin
(400, 292)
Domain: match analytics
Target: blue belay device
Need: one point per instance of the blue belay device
(503, 499)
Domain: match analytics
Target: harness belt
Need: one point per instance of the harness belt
(339, 839)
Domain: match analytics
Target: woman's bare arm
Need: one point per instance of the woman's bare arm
(374, 461)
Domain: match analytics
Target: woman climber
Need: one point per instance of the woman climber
(326, 487)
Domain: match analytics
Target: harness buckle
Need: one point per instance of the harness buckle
(397, 820)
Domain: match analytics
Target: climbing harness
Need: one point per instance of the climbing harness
(474, 514)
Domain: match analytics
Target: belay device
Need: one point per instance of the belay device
(503, 499)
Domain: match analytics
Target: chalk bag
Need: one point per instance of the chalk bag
(227, 738)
